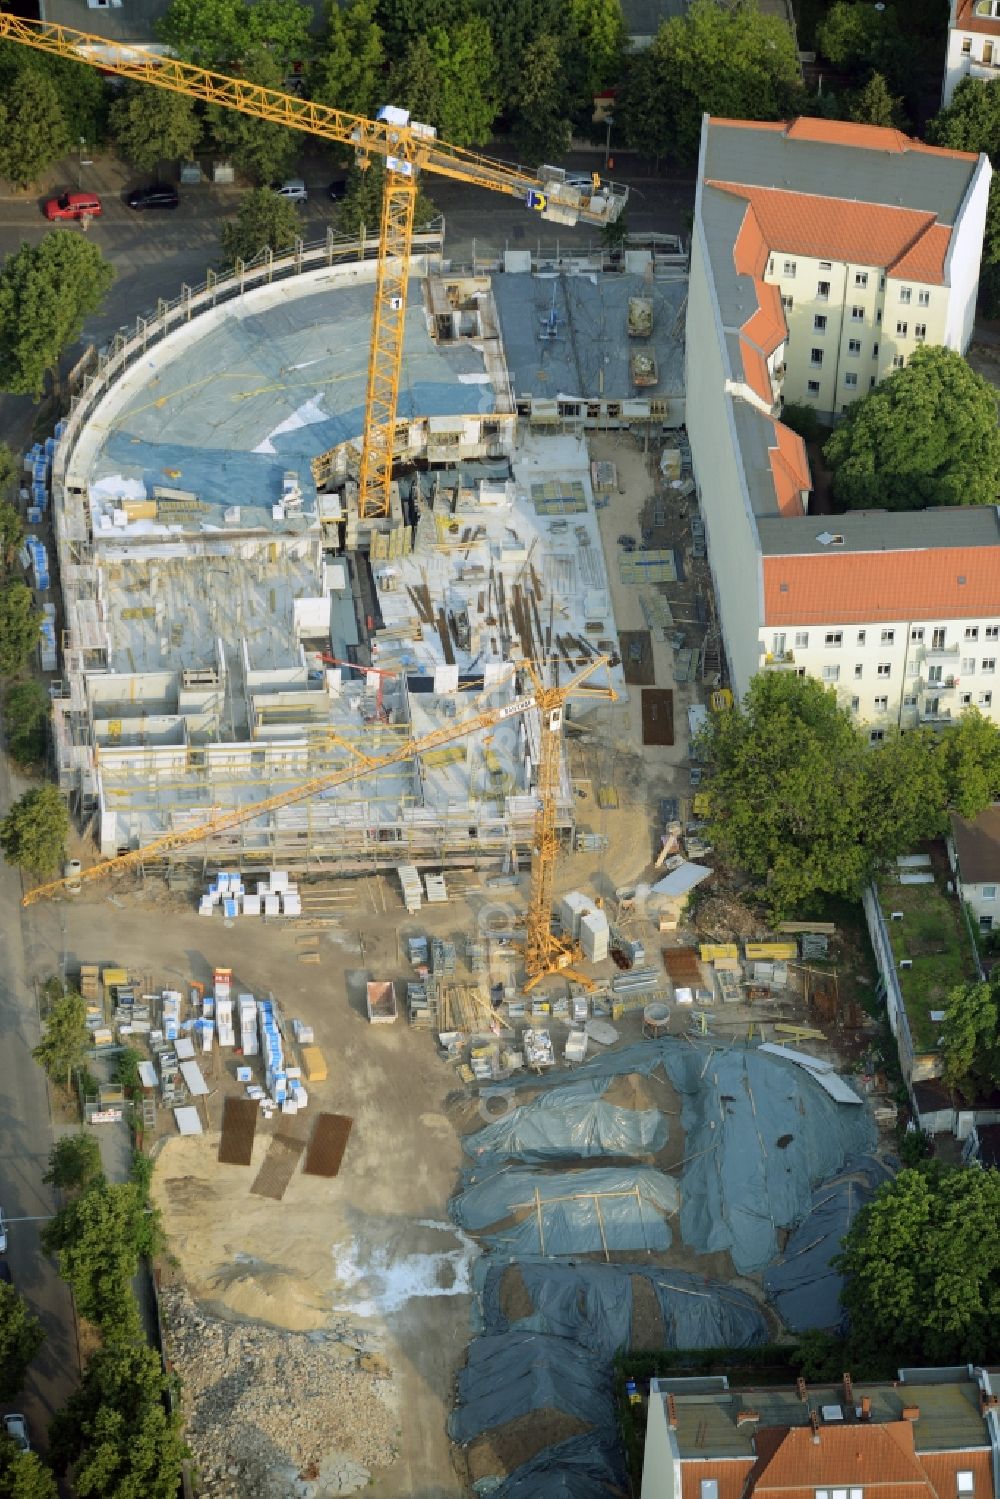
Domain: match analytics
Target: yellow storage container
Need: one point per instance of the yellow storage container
(712, 952)
(314, 1064)
(770, 950)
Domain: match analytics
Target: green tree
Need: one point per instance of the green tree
(10, 470)
(362, 201)
(922, 1267)
(264, 219)
(971, 122)
(906, 793)
(926, 436)
(347, 74)
(447, 78)
(600, 31)
(23, 1475)
(224, 33)
(787, 792)
(803, 420)
(11, 528)
(100, 1236)
(540, 103)
(970, 1038)
(971, 755)
(33, 131)
(26, 716)
(20, 625)
(515, 25)
(74, 1162)
(875, 105)
(853, 34)
(726, 60)
(151, 125)
(65, 1040)
(261, 149)
(33, 834)
(21, 1336)
(46, 292)
(115, 1431)
(402, 20)
(642, 107)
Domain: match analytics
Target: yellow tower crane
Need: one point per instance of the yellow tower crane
(407, 147)
(544, 952)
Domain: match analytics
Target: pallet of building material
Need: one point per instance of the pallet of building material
(682, 965)
(313, 1064)
(409, 879)
(239, 1126)
(814, 945)
(685, 665)
(437, 893)
(327, 1144)
(604, 478)
(655, 565)
(729, 986)
(607, 798)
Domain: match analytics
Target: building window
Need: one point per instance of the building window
(898, 361)
(968, 666)
(966, 1481)
(788, 303)
(789, 269)
(874, 351)
(989, 892)
(819, 323)
(851, 378)
(826, 265)
(812, 387)
(905, 293)
(831, 674)
(989, 665)
(888, 637)
(901, 330)
(834, 637)
(972, 632)
(858, 671)
(823, 291)
(992, 632)
(881, 704)
(884, 669)
(909, 702)
(876, 736)
(923, 299)
(871, 382)
(801, 639)
(862, 636)
(861, 278)
(857, 314)
(855, 704)
(815, 356)
(988, 54)
(966, 699)
(938, 637)
(986, 923)
(985, 700)
(917, 634)
(920, 332)
(854, 346)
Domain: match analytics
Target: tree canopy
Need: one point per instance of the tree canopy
(46, 292)
(922, 1267)
(100, 1235)
(264, 219)
(347, 74)
(152, 125)
(262, 150)
(65, 1039)
(362, 201)
(221, 33)
(726, 60)
(33, 132)
(970, 1037)
(971, 122)
(21, 1336)
(26, 715)
(115, 1431)
(926, 436)
(20, 626)
(33, 834)
(23, 1475)
(74, 1162)
(447, 78)
(875, 105)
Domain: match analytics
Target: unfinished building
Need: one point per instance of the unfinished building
(233, 627)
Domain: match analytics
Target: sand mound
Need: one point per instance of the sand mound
(504, 1448)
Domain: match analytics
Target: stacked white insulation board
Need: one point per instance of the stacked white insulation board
(248, 1025)
(437, 894)
(275, 896)
(409, 878)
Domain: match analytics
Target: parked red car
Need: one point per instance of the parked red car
(74, 206)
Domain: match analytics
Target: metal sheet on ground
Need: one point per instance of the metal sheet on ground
(682, 964)
(657, 715)
(327, 1145)
(637, 657)
(239, 1125)
(278, 1167)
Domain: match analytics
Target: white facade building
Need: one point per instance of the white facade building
(973, 44)
(974, 851)
(899, 611)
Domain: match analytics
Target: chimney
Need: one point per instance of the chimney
(744, 1417)
(848, 1389)
(866, 1408)
(671, 1413)
(800, 1388)
(987, 1402)
(814, 1423)
(911, 1413)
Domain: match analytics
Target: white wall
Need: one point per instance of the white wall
(964, 257)
(661, 1477)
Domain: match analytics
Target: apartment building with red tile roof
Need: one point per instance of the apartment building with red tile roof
(823, 253)
(932, 1434)
(973, 44)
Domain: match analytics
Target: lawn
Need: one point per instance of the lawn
(932, 935)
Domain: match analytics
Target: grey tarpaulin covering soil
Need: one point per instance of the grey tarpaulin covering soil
(592, 1304)
(569, 1212)
(581, 1468)
(759, 1133)
(804, 1287)
(520, 1372)
(569, 1121)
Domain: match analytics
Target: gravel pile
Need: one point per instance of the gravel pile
(278, 1415)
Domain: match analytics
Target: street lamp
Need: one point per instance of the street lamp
(79, 165)
(609, 120)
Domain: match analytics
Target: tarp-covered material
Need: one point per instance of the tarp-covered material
(593, 1305)
(569, 1121)
(519, 1372)
(759, 1134)
(581, 1468)
(569, 1212)
(803, 1285)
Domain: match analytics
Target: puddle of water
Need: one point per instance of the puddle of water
(376, 1281)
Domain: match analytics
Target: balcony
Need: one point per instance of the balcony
(932, 685)
(938, 715)
(783, 661)
(986, 72)
(942, 653)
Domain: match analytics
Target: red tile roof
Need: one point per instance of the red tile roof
(790, 469)
(845, 133)
(966, 21)
(767, 326)
(839, 229)
(868, 1455)
(750, 251)
(730, 1475)
(856, 587)
(755, 371)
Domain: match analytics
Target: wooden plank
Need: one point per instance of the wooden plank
(239, 1126)
(327, 1145)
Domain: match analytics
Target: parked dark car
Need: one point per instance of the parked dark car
(160, 195)
(337, 189)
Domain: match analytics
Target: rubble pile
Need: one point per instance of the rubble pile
(271, 1414)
